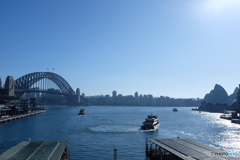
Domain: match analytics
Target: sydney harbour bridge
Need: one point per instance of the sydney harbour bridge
(44, 82)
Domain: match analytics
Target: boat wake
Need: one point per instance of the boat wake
(117, 128)
(184, 133)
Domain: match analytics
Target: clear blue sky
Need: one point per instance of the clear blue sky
(176, 48)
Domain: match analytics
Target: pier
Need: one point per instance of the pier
(4, 119)
(41, 150)
(183, 149)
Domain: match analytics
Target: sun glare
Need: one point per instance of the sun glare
(216, 5)
(214, 10)
(221, 5)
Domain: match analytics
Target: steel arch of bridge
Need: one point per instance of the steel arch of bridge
(23, 83)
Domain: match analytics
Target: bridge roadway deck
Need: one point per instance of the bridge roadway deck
(14, 117)
(43, 91)
(186, 149)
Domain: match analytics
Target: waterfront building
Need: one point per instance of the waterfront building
(78, 91)
(78, 96)
(238, 104)
(150, 96)
(136, 94)
(120, 95)
(238, 98)
(13, 107)
(114, 94)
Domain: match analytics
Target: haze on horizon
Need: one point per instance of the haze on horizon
(173, 48)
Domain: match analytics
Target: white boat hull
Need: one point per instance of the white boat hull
(152, 128)
(156, 127)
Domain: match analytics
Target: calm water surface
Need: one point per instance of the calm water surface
(103, 128)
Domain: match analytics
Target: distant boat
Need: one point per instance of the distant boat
(195, 109)
(82, 112)
(229, 115)
(174, 110)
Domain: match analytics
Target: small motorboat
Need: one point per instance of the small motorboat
(174, 110)
(82, 112)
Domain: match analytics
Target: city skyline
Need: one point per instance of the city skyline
(179, 49)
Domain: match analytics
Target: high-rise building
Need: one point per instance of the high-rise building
(78, 97)
(78, 91)
(114, 94)
(0, 83)
(136, 94)
(83, 95)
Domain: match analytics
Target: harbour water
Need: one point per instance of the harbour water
(103, 128)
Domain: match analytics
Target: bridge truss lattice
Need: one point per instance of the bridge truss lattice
(39, 81)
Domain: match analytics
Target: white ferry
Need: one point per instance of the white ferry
(151, 123)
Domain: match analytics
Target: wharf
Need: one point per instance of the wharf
(39, 150)
(14, 117)
(183, 149)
